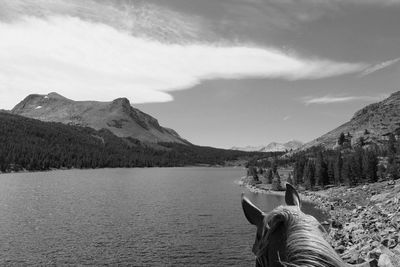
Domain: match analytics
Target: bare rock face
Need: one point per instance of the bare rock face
(118, 116)
(372, 124)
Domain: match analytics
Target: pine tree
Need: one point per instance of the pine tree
(392, 168)
(341, 139)
(289, 179)
(357, 165)
(252, 171)
(299, 169)
(309, 172)
(274, 166)
(370, 166)
(331, 172)
(347, 173)
(321, 171)
(270, 176)
(276, 182)
(338, 168)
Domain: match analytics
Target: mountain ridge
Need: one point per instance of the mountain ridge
(118, 116)
(371, 124)
(272, 147)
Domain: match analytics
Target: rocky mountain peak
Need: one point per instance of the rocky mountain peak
(122, 101)
(122, 104)
(54, 95)
(118, 116)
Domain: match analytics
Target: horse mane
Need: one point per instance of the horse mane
(305, 242)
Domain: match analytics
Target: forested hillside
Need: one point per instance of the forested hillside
(365, 149)
(29, 144)
(347, 164)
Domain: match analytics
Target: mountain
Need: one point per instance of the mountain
(272, 147)
(118, 116)
(276, 147)
(372, 123)
(248, 148)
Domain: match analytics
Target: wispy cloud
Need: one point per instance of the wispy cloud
(329, 99)
(366, 2)
(379, 66)
(90, 60)
(289, 13)
(133, 17)
(287, 117)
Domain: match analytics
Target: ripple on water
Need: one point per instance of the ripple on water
(142, 217)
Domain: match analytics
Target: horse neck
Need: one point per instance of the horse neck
(299, 242)
(277, 248)
(305, 244)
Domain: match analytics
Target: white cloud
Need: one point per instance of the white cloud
(287, 117)
(139, 19)
(87, 60)
(379, 66)
(329, 99)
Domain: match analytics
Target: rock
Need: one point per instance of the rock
(379, 197)
(396, 250)
(340, 249)
(365, 222)
(388, 242)
(358, 234)
(337, 224)
(373, 263)
(384, 261)
(375, 244)
(374, 254)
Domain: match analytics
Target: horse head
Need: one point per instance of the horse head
(288, 237)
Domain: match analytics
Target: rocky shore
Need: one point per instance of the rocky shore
(364, 220)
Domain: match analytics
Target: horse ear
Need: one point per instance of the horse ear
(253, 214)
(292, 198)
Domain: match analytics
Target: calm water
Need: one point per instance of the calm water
(140, 217)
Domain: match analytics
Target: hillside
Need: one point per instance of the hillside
(118, 116)
(373, 123)
(30, 144)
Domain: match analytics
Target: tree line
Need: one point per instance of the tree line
(350, 165)
(332, 167)
(29, 144)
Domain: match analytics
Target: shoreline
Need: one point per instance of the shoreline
(105, 168)
(364, 221)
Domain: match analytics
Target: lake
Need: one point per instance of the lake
(140, 217)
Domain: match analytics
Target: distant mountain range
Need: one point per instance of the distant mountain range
(372, 123)
(118, 116)
(272, 147)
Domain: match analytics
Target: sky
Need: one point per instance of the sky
(221, 73)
